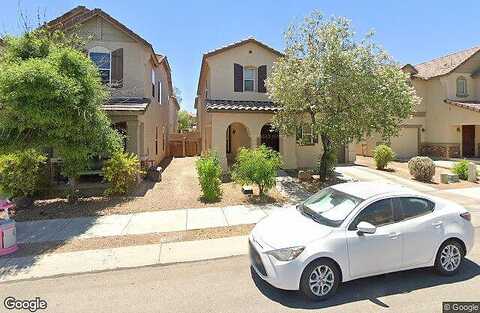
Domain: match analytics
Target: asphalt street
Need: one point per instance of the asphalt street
(228, 285)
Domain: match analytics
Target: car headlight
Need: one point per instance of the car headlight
(286, 254)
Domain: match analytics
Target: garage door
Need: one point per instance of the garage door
(406, 144)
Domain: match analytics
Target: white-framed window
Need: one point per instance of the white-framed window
(306, 136)
(103, 60)
(153, 83)
(462, 87)
(249, 79)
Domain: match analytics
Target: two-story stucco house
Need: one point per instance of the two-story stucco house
(142, 104)
(234, 110)
(446, 123)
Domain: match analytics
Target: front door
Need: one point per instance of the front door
(376, 253)
(468, 140)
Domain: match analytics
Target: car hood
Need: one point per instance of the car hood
(288, 228)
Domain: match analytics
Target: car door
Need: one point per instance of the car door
(422, 230)
(378, 252)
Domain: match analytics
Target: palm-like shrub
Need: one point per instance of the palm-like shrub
(121, 172)
(383, 155)
(209, 172)
(421, 168)
(257, 166)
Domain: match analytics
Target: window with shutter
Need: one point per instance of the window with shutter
(153, 83)
(117, 68)
(237, 78)
(262, 75)
(159, 93)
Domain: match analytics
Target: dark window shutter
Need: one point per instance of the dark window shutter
(237, 77)
(117, 68)
(262, 75)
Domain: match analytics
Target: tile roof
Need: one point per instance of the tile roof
(469, 105)
(137, 104)
(443, 65)
(234, 105)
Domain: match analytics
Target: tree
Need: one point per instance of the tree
(51, 97)
(185, 121)
(347, 89)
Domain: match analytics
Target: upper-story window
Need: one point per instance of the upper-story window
(249, 79)
(153, 83)
(462, 87)
(103, 61)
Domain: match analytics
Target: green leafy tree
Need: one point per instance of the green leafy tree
(51, 97)
(257, 166)
(185, 121)
(347, 89)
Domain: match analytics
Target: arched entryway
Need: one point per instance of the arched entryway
(269, 136)
(237, 137)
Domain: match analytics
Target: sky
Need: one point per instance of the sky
(411, 31)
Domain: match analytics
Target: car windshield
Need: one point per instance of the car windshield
(329, 206)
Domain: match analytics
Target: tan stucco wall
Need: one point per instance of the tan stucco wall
(220, 77)
(137, 67)
(293, 155)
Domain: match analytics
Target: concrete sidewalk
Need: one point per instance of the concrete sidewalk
(126, 257)
(141, 223)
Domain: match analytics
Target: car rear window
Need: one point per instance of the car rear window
(413, 207)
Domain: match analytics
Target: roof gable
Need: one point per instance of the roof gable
(443, 65)
(229, 47)
(81, 14)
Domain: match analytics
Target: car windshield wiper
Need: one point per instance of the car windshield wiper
(308, 212)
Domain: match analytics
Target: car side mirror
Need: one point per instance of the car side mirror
(366, 228)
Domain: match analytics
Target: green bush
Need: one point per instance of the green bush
(461, 169)
(257, 166)
(209, 173)
(19, 172)
(383, 155)
(121, 172)
(421, 168)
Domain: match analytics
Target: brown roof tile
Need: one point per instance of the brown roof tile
(469, 105)
(443, 65)
(234, 105)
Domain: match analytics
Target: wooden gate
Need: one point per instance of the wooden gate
(187, 144)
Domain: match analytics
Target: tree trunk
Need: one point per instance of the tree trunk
(327, 148)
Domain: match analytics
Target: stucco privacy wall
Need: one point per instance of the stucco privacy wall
(293, 155)
(220, 80)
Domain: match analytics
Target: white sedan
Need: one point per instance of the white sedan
(354, 230)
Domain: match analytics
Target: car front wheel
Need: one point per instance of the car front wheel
(449, 258)
(320, 280)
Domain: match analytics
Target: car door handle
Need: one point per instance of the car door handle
(437, 224)
(393, 235)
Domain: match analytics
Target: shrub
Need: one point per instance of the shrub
(19, 172)
(257, 166)
(461, 169)
(121, 172)
(421, 168)
(383, 155)
(209, 173)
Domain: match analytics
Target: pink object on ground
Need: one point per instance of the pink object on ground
(8, 240)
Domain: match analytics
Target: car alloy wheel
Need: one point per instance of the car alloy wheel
(450, 257)
(321, 280)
